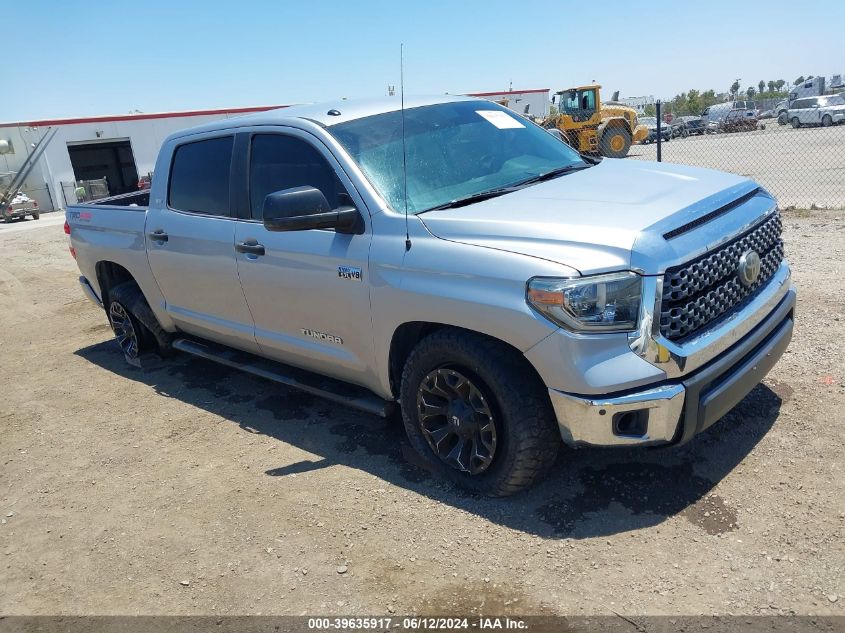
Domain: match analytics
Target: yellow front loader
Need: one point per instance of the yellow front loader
(592, 127)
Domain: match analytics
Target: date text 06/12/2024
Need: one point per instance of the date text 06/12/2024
(416, 623)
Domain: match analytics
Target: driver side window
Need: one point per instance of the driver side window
(280, 162)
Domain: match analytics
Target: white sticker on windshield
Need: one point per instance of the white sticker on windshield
(501, 120)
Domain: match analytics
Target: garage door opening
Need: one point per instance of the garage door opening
(112, 160)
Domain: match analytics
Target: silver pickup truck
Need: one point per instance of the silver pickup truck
(459, 261)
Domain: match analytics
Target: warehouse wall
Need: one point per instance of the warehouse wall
(54, 167)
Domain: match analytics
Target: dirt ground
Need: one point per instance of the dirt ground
(193, 489)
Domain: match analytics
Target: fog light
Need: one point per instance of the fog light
(631, 423)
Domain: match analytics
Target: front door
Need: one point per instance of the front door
(190, 237)
(308, 291)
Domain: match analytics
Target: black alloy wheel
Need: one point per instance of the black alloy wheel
(124, 330)
(457, 421)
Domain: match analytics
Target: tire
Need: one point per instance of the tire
(615, 142)
(782, 118)
(133, 322)
(827, 120)
(35, 216)
(504, 409)
(795, 122)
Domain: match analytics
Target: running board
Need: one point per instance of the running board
(322, 386)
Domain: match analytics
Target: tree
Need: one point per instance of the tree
(798, 81)
(772, 85)
(762, 86)
(779, 84)
(750, 92)
(650, 110)
(735, 87)
(694, 102)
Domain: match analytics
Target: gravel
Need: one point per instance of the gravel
(261, 495)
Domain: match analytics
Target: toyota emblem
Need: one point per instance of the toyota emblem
(749, 268)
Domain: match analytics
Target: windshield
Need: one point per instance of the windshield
(453, 151)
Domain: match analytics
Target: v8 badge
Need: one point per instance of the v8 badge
(349, 272)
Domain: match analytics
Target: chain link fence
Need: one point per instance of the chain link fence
(796, 151)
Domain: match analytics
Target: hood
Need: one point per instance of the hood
(590, 219)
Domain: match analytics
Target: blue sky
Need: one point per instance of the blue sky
(112, 57)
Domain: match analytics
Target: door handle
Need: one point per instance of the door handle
(250, 247)
(158, 236)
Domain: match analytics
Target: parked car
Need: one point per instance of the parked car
(505, 304)
(824, 110)
(693, 125)
(780, 110)
(20, 206)
(717, 112)
(765, 114)
(651, 123)
(738, 121)
(678, 127)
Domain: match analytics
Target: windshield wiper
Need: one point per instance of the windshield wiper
(554, 173)
(476, 197)
(494, 193)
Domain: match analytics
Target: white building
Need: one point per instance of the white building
(533, 102)
(120, 148)
(638, 103)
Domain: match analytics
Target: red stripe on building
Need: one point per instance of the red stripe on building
(140, 117)
(507, 92)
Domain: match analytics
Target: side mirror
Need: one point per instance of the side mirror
(303, 208)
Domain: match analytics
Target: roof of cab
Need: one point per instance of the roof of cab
(348, 110)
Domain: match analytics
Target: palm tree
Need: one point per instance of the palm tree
(735, 87)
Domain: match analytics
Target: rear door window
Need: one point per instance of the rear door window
(199, 176)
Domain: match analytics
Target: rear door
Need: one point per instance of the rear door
(308, 291)
(190, 235)
(803, 109)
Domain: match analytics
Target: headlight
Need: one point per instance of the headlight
(601, 303)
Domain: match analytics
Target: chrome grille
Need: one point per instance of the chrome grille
(700, 291)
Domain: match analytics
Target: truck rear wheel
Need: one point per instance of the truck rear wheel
(133, 322)
(615, 142)
(476, 414)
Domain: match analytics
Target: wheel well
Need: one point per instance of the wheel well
(407, 335)
(110, 275)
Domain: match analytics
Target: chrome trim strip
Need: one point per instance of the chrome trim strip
(677, 360)
(585, 420)
(89, 292)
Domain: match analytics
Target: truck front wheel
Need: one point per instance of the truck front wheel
(477, 414)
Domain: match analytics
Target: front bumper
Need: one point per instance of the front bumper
(675, 411)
